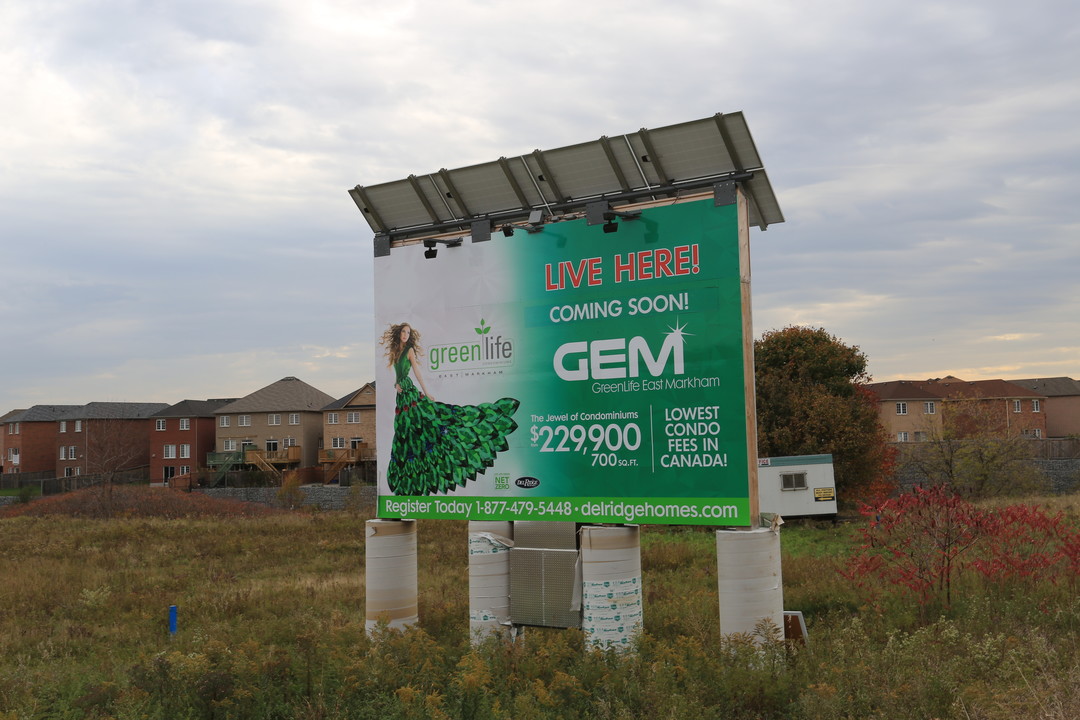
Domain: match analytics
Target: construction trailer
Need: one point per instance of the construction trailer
(798, 486)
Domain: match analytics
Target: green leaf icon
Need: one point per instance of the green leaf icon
(484, 328)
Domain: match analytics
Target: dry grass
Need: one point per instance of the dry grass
(271, 625)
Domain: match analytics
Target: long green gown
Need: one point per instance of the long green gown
(438, 447)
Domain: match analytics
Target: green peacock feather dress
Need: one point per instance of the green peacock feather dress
(438, 447)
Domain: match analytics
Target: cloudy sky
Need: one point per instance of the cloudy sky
(174, 216)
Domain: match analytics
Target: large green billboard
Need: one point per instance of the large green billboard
(570, 373)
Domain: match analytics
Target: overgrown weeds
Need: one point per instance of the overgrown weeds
(272, 626)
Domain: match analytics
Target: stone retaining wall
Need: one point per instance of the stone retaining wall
(324, 497)
(1062, 475)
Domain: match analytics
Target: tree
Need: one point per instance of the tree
(114, 447)
(812, 399)
(973, 451)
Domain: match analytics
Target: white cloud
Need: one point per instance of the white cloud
(173, 176)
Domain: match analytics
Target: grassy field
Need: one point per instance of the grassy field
(271, 625)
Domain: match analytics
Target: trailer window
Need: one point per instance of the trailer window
(793, 481)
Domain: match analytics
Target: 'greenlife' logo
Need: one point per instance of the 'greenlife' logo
(488, 351)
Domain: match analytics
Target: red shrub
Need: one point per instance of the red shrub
(914, 542)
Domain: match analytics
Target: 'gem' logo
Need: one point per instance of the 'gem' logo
(616, 358)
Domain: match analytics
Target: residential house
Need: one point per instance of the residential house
(31, 438)
(276, 428)
(348, 431)
(1062, 405)
(911, 410)
(906, 411)
(181, 436)
(6, 464)
(103, 437)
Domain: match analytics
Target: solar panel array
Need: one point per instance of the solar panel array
(657, 163)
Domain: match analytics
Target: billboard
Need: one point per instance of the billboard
(570, 373)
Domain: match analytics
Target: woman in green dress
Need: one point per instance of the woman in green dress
(437, 447)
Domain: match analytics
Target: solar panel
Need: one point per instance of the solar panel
(657, 163)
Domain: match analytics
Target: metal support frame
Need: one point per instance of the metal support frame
(363, 202)
(569, 206)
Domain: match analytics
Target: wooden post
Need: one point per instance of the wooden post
(748, 356)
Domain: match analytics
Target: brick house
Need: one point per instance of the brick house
(907, 412)
(348, 431)
(912, 410)
(1062, 404)
(181, 435)
(5, 463)
(276, 428)
(103, 437)
(32, 440)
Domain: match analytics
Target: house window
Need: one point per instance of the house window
(78, 426)
(273, 419)
(63, 426)
(337, 443)
(920, 436)
(294, 418)
(901, 437)
(1036, 406)
(223, 421)
(332, 418)
(168, 472)
(271, 445)
(243, 421)
(353, 417)
(929, 407)
(288, 442)
(1017, 406)
(185, 469)
(159, 424)
(78, 470)
(68, 471)
(63, 452)
(793, 481)
(901, 408)
(229, 446)
(71, 452)
(170, 452)
(185, 423)
(185, 451)
(1038, 433)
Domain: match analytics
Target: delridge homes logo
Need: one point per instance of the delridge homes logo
(488, 350)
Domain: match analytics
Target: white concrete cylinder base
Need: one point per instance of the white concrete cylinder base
(391, 586)
(611, 595)
(749, 580)
(489, 579)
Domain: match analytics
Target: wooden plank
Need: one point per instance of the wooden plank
(748, 357)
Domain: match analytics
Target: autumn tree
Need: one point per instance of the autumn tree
(114, 447)
(812, 399)
(973, 451)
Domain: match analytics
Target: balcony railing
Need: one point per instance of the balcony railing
(348, 455)
(274, 457)
(215, 459)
